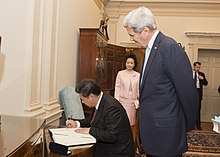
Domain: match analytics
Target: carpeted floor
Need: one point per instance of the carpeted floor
(203, 141)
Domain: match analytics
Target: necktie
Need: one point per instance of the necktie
(93, 117)
(147, 54)
(195, 79)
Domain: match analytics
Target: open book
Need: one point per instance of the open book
(68, 137)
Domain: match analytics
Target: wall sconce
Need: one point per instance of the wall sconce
(129, 50)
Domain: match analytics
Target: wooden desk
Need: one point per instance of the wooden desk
(21, 136)
(77, 151)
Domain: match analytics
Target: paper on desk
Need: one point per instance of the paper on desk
(68, 137)
(216, 124)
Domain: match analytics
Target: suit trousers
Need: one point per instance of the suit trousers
(198, 117)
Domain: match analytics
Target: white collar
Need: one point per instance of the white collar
(153, 38)
(97, 105)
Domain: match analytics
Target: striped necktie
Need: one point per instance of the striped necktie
(195, 79)
(93, 117)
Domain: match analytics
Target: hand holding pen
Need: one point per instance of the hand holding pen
(70, 123)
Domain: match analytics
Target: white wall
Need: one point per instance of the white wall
(74, 14)
(180, 25)
(176, 27)
(15, 56)
(13, 29)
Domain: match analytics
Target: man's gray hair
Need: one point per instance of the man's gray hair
(140, 18)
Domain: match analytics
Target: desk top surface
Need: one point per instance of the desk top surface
(15, 130)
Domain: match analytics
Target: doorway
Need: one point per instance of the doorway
(210, 59)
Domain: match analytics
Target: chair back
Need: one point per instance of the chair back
(71, 103)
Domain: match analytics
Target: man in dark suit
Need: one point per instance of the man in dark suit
(168, 99)
(200, 80)
(108, 123)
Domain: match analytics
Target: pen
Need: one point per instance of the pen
(71, 118)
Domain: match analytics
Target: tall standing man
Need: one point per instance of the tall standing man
(168, 97)
(200, 80)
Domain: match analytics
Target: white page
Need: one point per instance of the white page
(68, 137)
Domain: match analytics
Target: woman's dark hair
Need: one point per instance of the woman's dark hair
(87, 87)
(133, 56)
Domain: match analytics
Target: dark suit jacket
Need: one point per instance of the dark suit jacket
(112, 130)
(201, 83)
(168, 99)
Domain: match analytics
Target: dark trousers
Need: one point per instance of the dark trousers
(198, 117)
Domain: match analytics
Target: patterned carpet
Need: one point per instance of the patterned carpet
(201, 144)
(203, 141)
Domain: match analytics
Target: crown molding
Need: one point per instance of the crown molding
(195, 8)
(101, 3)
(202, 34)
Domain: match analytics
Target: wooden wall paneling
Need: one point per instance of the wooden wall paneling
(110, 65)
(98, 60)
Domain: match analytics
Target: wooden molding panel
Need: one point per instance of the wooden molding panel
(200, 8)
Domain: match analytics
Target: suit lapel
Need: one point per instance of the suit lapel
(151, 57)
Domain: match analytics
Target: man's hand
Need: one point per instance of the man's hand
(200, 77)
(71, 124)
(83, 130)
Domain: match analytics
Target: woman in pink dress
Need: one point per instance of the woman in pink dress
(127, 87)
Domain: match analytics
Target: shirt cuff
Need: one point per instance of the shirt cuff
(77, 124)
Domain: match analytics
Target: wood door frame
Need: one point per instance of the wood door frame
(201, 40)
